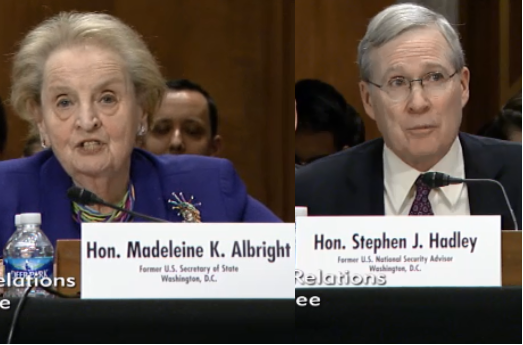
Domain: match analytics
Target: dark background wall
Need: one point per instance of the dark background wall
(492, 41)
(328, 33)
(237, 49)
(326, 43)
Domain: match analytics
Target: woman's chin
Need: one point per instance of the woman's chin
(91, 167)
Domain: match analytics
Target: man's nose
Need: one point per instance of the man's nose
(177, 145)
(418, 102)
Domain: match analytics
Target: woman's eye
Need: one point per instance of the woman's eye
(108, 99)
(62, 103)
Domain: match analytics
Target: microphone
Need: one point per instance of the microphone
(437, 179)
(84, 197)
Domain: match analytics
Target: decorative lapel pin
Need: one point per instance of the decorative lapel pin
(186, 209)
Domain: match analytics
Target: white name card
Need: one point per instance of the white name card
(180, 260)
(443, 251)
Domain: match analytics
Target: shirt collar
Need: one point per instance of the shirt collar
(400, 177)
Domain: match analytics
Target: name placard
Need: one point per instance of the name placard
(180, 260)
(443, 251)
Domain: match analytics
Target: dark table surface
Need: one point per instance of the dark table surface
(151, 321)
(372, 315)
(412, 315)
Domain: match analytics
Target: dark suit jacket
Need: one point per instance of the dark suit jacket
(351, 182)
(39, 184)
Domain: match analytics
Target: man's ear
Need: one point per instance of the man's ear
(465, 87)
(216, 145)
(366, 100)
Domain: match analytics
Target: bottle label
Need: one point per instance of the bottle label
(29, 269)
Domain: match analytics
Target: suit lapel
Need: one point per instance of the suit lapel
(377, 189)
(366, 187)
(479, 164)
(366, 190)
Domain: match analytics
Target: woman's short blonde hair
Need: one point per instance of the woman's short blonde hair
(71, 28)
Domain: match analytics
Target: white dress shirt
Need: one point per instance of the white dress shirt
(400, 190)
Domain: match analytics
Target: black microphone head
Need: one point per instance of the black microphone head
(435, 179)
(83, 196)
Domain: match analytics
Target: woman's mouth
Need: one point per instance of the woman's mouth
(90, 146)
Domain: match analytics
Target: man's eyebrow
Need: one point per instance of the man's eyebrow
(194, 120)
(434, 65)
(394, 68)
(162, 121)
(425, 65)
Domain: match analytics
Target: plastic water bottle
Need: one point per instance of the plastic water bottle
(28, 257)
(18, 222)
(298, 212)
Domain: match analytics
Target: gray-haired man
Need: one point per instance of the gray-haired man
(414, 84)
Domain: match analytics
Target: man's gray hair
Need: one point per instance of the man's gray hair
(397, 19)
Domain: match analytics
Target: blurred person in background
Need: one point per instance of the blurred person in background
(186, 122)
(32, 145)
(507, 125)
(326, 124)
(296, 166)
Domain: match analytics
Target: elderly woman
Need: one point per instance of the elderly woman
(89, 84)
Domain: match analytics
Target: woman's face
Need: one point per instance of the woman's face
(89, 113)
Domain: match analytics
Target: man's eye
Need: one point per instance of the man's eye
(435, 77)
(397, 82)
(161, 130)
(194, 130)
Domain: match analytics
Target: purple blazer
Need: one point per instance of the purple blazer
(39, 184)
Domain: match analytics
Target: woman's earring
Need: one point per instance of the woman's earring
(44, 145)
(141, 132)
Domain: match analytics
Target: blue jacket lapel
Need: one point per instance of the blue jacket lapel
(56, 207)
(54, 203)
(148, 188)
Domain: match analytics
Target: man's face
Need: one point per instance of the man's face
(515, 136)
(310, 146)
(182, 126)
(421, 128)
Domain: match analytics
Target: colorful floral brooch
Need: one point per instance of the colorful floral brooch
(186, 208)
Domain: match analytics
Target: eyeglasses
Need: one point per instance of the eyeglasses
(399, 88)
